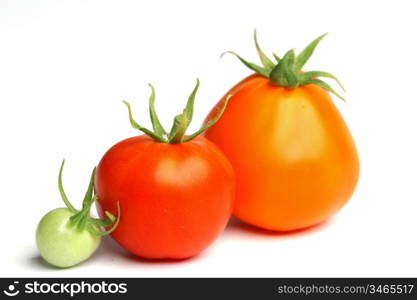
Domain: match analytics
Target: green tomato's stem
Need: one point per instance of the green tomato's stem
(82, 219)
(89, 193)
(111, 220)
(62, 192)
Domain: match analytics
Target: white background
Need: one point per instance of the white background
(65, 67)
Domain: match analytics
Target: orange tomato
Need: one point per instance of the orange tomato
(294, 158)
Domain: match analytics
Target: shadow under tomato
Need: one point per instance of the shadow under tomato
(236, 226)
(108, 245)
(37, 262)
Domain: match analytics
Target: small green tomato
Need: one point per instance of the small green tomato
(61, 243)
(65, 236)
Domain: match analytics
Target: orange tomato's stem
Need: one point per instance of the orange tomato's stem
(287, 71)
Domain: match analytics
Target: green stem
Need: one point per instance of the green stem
(179, 128)
(112, 219)
(143, 129)
(210, 123)
(180, 124)
(157, 127)
(61, 190)
(82, 219)
(182, 121)
(287, 72)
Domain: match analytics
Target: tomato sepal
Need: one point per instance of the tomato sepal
(81, 219)
(180, 124)
(286, 72)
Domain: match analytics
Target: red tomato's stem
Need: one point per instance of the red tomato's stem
(181, 121)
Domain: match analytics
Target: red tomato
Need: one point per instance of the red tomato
(175, 199)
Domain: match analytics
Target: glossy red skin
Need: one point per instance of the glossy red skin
(175, 199)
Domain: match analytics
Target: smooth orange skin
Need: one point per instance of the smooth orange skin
(175, 200)
(295, 160)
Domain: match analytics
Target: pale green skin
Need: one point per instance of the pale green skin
(62, 244)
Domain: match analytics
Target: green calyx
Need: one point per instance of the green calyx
(81, 219)
(287, 71)
(181, 122)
